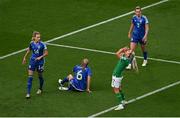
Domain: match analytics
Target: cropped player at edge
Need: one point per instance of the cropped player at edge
(81, 79)
(138, 33)
(125, 56)
(39, 51)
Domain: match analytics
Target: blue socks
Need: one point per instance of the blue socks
(41, 82)
(145, 55)
(29, 84)
(64, 80)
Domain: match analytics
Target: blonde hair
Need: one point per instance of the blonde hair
(85, 61)
(34, 34)
(137, 7)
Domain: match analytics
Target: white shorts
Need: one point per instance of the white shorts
(116, 81)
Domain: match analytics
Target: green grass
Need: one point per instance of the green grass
(54, 18)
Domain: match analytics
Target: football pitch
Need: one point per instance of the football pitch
(95, 29)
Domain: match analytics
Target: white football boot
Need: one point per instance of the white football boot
(59, 81)
(39, 91)
(128, 67)
(61, 88)
(124, 102)
(144, 63)
(120, 107)
(28, 96)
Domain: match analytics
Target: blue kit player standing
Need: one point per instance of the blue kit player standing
(138, 33)
(80, 81)
(39, 51)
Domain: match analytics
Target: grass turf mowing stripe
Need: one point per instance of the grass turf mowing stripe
(137, 98)
(88, 27)
(106, 52)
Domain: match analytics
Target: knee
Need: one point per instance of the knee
(70, 77)
(116, 90)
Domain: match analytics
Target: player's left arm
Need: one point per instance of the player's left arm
(88, 84)
(146, 30)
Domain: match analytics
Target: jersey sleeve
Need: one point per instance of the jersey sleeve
(30, 46)
(75, 68)
(146, 20)
(132, 20)
(45, 47)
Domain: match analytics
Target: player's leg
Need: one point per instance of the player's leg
(143, 48)
(116, 84)
(133, 45)
(29, 83)
(65, 80)
(40, 69)
(41, 83)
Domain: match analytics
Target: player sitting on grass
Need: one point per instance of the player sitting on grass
(81, 79)
(125, 56)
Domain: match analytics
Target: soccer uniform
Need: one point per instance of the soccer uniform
(79, 81)
(117, 73)
(37, 51)
(139, 28)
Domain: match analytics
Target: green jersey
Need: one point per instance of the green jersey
(121, 65)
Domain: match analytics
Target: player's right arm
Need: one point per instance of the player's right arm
(24, 58)
(130, 29)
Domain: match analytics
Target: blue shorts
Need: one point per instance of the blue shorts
(74, 85)
(137, 40)
(36, 65)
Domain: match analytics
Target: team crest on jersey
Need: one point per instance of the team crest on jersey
(140, 20)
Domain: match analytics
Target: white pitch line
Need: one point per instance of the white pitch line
(137, 98)
(11, 54)
(106, 52)
(85, 28)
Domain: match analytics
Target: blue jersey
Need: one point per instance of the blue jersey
(37, 50)
(80, 77)
(139, 27)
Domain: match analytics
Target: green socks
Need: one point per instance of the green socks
(120, 97)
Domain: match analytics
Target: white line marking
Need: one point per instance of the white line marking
(11, 54)
(106, 52)
(137, 98)
(88, 27)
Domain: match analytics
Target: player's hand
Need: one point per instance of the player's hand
(89, 91)
(129, 35)
(38, 58)
(24, 61)
(145, 39)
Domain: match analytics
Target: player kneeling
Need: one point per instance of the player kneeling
(80, 81)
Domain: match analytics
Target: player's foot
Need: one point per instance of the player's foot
(120, 107)
(128, 67)
(61, 88)
(59, 81)
(39, 91)
(28, 96)
(124, 102)
(144, 63)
